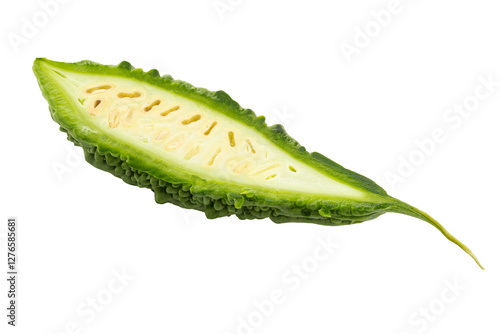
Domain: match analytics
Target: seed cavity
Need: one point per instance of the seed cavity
(271, 176)
(174, 143)
(130, 95)
(129, 118)
(241, 167)
(160, 135)
(265, 169)
(98, 88)
(152, 105)
(114, 119)
(195, 118)
(230, 136)
(192, 152)
(250, 147)
(292, 169)
(206, 133)
(217, 152)
(95, 107)
(166, 112)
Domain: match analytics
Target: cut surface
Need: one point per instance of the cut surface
(191, 135)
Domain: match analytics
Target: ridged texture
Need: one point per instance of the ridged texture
(181, 194)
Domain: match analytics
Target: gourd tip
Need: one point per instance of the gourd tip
(414, 212)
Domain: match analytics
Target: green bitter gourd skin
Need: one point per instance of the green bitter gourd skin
(200, 150)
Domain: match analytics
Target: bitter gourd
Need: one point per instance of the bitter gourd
(199, 149)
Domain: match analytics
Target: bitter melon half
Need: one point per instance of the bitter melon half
(200, 150)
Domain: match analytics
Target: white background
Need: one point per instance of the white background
(284, 60)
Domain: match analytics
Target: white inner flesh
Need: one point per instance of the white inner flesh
(191, 135)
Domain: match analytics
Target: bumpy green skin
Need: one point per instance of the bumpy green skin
(215, 206)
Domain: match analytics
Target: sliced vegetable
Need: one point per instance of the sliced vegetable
(200, 150)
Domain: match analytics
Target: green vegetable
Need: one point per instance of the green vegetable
(199, 149)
